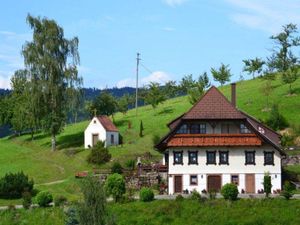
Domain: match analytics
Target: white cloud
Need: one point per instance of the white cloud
(268, 16)
(174, 3)
(157, 76)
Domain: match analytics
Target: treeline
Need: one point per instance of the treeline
(48, 92)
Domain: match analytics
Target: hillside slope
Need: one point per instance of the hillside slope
(55, 170)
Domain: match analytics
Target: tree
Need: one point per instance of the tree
(141, 129)
(51, 61)
(170, 89)
(283, 59)
(222, 74)
(105, 104)
(290, 76)
(195, 93)
(123, 103)
(203, 80)
(93, 210)
(253, 66)
(267, 184)
(186, 83)
(115, 186)
(276, 120)
(154, 95)
(266, 90)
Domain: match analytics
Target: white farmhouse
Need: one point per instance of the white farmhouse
(101, 128)
(215, 143)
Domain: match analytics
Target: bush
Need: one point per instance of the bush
(44, 198)
(27, 200)
(230, 192)
(276, 120)
(60, 200)
(195, 195)
(130, 164)
(71, 217)
(267, 184)
(287, 192)
(99, 154)
(116, 168)
(115, 186)
(179, 198)
(146, 195)
(12, 185)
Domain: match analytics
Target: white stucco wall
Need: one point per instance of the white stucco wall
(97, 128)
(236, 167)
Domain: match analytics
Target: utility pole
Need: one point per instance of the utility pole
(137, 82)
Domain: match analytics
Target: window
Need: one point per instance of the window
(195, 129)
(223, 156)
(269, 158)
(193, 158)
(211, 157)
(244, 129)
(202, 128)
(198, 128)
(183, 129)
(193, 180)
(235, 179)
(250, 158)
(178, 158)
(112, 139)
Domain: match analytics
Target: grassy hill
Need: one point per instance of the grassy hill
(54, 171)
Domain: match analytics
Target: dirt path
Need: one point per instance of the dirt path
(53, 182)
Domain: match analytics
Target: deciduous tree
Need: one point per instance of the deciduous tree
(222, 74)
(51, 61)
(253, 66)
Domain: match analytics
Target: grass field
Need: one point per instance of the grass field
(188, 212)
(54, 171)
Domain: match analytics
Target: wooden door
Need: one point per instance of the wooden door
(250, 183)
(95, 139)
(178, 184)
(214, 183)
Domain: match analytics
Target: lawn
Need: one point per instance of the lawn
(55, 171)
(188, 212)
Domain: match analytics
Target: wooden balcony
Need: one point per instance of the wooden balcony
(198, 140)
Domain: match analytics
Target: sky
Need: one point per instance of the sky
(174, 37)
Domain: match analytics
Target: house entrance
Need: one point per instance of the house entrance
(213, 183)
(178, 184)
(250, 183)
(95, 139)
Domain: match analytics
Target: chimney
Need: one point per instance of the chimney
(233, 94)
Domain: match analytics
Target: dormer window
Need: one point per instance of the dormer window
(261, 130)
(183, 129)
(244, 129)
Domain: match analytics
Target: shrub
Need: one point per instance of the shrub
(44, 198)
(116, 168)
(130, 164)
(287, 140)
(155, 139)
(12, 185)
(276, 120)
(287, 192)
(146, 195)
(60, 200)
(179, 198)
(71, 217)
(27, 200)
(267, 184)
(195, 195)
(99, 154)
(212, 194)
(115, 186)
(230, 192)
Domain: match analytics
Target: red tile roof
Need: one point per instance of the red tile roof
(107, 123)
(213, 105)
(197, 140)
